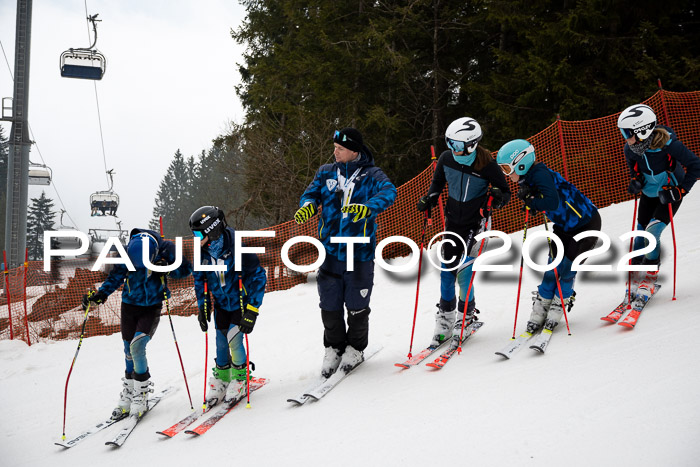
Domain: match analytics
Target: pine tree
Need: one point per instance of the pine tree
(40, 218)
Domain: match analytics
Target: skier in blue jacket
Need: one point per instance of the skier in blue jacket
(350, 193)
(235, 304)
(544, 190)
(656, 159)
(472, 176)
(142, 300)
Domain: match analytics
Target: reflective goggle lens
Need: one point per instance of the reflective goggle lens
(337, 137)
(506, 168)
(626, 133)
(198, 234)
(454, 145)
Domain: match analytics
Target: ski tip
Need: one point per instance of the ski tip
(167, 435)
(502, 355)
(402, 366)
(190, 432)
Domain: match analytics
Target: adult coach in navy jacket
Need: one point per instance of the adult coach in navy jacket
(350, 193)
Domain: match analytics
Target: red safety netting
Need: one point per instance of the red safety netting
(46, 305)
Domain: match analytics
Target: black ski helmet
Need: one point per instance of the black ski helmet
(208, 221)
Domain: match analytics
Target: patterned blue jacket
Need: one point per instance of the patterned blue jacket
(141, 287)
(659, 165)
(564, 204)
(338, 184)
(224, 285)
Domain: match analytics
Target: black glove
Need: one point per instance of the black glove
(500, 199)
(428, 201)
(205, 312)
(248, 319)
(636, 184)
(670, 194)
(94, 297)
(160, 262)
(527, 195)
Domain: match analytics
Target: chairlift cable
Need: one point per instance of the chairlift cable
(97, 100)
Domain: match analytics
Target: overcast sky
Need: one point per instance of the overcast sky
(169, 85)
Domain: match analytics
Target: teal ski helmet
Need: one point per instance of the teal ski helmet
(516, 156)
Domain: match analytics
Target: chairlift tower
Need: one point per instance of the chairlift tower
(19, 143)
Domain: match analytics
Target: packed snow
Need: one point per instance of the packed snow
(604, 396)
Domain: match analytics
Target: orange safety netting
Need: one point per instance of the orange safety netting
(46, 305)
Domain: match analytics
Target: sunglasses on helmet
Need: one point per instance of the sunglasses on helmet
(338, 137)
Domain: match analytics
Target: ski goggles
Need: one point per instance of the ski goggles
(339, 137)
(199, 234)
(506, 168)
(460, 146)
(641, 133)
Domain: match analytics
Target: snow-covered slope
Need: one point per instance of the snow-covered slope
(603, 396)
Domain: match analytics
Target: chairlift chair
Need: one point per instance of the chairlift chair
(104, 203)
(84, 63)
(39, 175)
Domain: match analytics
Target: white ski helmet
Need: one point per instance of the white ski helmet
(463, 135)
(516, 156)
(637, 120)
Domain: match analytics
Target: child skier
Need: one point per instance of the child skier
(544, 190)
(656, 159)
(469, 171)
(235, 309)
(142, 300)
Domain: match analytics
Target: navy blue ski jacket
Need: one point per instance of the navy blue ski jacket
(141, 287)
(338, 184)
(564, 204)
(467, 188)
(224, 285)
(659, 166)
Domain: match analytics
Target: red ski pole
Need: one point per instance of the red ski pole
(556, 274)
(675, 256)
(75, 357)
(426, 220)
(471, 279)
(247, 348)
(206, 346)
(629, 273)
(520, 277)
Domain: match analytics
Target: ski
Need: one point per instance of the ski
(134, 419)
(615, 315)
(420, 356)
(328, 384)
(303, 398)
(515, 345)
(638, 305)
(542, 341)
(224, 408)
(191, 418)
(90, 431)
(445, 356)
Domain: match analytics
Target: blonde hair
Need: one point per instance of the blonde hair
(659, 138)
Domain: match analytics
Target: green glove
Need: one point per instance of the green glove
(360, 210)
(305, 213)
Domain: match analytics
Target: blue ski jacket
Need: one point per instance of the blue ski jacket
(564, 204)
(141, 287)
(338, 184)
(659, 166)
(224, 285)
